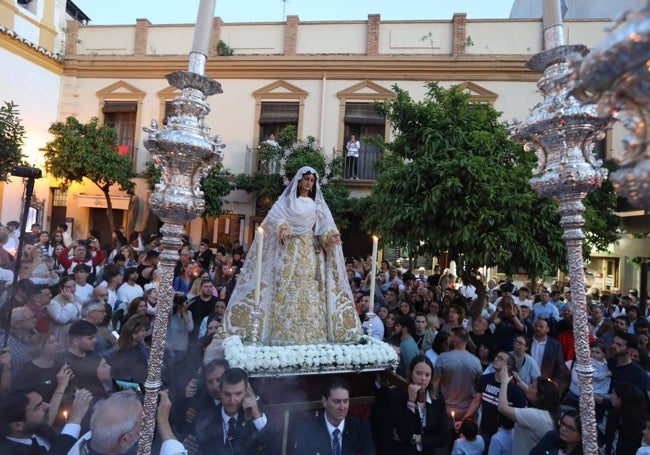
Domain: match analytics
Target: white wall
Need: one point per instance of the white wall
(36, 92)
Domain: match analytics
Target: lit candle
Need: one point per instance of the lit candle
(65, 416)
(203, 27)
(373, 274)
(258, 279)
(453, 416)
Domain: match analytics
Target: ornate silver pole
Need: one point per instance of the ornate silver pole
(184, 152)
(562, 132)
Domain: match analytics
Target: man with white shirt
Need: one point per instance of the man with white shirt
(333, 431)
(23, 415)
(129, 289)
(523, 297)
(547, 352)
(83, 290)
(377, 325)
(227, 426)
(116, 423)
(112, 280)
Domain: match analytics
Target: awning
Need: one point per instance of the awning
(98, 201)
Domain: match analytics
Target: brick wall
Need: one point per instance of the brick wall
(372, 38)
(141, 37)
(291, 35)
(460, 34)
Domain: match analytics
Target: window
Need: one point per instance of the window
(121, 116)
(277, 115)
(362, 120)
(29, 5)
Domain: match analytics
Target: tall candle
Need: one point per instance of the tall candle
(203, 27)
(258, 279)
(373, 274)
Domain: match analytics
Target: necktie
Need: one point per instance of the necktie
(336, 442)
(37, 448)
(231, 430)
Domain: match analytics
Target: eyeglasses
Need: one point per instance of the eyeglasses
(523, 343)
(568, 427)
(99, 311)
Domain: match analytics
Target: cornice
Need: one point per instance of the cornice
(383, 67)
(29, 51)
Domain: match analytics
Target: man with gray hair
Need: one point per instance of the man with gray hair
(116, 423)
(94, 311)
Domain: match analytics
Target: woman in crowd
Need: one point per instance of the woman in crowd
(455, 317)
(389, 326)
(60, 270)
(305, 295)
(486, 352)
(531, 423)
(527, 368)
(130, 360)
(44, 243)
(566, 441)
(418, 414)
(37, 267)
(64, 309)
(183, 282)
(178, 330)
(626, 420)
(57, 239)
(40, 373)
(382, 312)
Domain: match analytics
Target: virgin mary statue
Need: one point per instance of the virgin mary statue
(305, 296)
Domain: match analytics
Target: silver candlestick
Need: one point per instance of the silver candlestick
(615, 76)
(184, 152)
(561, 131)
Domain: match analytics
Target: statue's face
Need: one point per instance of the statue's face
(307, 182)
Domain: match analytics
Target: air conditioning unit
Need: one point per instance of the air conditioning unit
(24, 2)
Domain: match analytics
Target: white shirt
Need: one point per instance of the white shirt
(537, 351)
(331, 428)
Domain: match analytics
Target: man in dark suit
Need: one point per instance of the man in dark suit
(23, 427)
(334, 431)
(547, 352)
(236, 425)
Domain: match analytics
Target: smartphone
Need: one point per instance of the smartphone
(465, 323)
(121, 384)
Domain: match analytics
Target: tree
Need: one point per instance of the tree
(454, 182)
(12, 134)
(291, 155)
(89, 151)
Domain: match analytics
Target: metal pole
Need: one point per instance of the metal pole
(184, 152)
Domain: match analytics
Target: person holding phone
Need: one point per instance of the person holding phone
(487, 396)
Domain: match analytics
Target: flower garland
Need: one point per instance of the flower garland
(367, 353)
(286, 153)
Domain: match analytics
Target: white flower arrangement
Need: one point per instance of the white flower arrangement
(367, 354)
(286, 153)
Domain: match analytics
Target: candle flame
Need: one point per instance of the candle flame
(260, 230)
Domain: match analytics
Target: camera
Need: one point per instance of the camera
(27, 172)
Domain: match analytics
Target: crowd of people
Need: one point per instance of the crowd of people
(482, 374)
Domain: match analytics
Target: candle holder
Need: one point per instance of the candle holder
(184, 153)
(561, 131)
(614, 75)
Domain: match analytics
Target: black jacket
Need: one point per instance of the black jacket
(313, 438)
